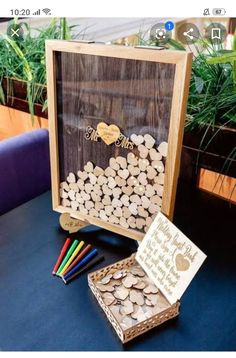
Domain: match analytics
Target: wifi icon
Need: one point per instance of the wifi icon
(46, 11)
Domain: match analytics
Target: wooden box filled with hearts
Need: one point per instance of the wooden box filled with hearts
(143, 291)
(116, 118)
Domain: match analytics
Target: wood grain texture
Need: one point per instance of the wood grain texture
(135, 95)
(14, 122)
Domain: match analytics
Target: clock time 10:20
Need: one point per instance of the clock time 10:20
(20, 12)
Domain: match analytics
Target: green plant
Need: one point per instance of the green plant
(24, 59)
(212, 91)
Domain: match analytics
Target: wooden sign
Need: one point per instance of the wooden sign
(70, 224)
(116, 118)
(108, 133)
(169, 258)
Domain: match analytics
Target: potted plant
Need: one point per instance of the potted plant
(210, 132)
(23, 73)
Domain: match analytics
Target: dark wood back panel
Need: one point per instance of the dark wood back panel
(135, 95)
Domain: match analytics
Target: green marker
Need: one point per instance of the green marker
(68, 255)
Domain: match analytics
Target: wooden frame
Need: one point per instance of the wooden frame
(181, 60)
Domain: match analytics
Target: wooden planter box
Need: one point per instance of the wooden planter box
(15, 116)
(215, 155)
(212, 169)
(16, 96)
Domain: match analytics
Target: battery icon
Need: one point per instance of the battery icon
(219, 12)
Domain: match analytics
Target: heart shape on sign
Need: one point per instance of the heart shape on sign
(109, 134)
(182, 264)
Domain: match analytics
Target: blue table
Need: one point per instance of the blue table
(39, 313)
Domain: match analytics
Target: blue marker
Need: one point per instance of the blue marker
(83, 262)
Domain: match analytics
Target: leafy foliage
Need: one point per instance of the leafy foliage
(212, 93)
(24, 59)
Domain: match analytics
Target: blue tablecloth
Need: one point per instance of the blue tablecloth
(38, 312)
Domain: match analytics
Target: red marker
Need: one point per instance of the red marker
(63, 251)
(78, 258)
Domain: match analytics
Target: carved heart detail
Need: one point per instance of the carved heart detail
(182, 264)
(109, 134)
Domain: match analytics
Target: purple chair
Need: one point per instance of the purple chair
(24, 168)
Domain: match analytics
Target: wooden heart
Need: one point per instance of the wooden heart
(89, 205)
(125, 199)
(116, 203)
(109, 134)
(113, 164)
(122, 162)
(128, 306)
(74, 186)
(88, 167)
(71, 178)
(182, 264)
(103, 215)
(132, 222)
(126, 212)
(70, 224)
(133, 209)
(163, 149)
(135, 199)
(123, 222)
(118, 212)
(136, 297)
(106, 190)
(109, 172)
(113, 219)
(137, 139)
(133, 170)
(99, 206)
(63, 194)
(117, 192)
(64, 185)
(150, 289)
(123, 173)
(93, 178)
(106, 200)
(129, 281)
(143, 151)
(102, 180)
(128, 190)
(98, 171)
(142, 212)
(71, 195)
(111, 183)
(82, 175)
(95, 197)
(108, 298)
(131, 159)
(149, 141)
(121, 293)
(154, 155)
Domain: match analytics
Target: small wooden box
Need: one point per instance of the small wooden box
(140, 91)
(126, 335)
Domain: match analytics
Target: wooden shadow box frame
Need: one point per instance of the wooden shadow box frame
(181, 62)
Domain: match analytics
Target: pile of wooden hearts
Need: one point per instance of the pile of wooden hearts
(127, 193)
(131, 295)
